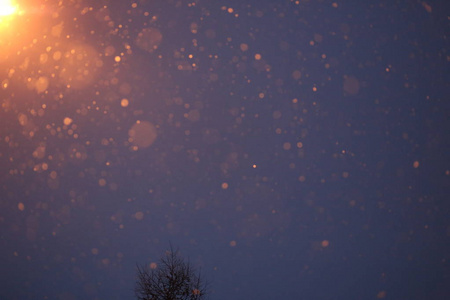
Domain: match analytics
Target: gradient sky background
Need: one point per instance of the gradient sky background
(290, 149)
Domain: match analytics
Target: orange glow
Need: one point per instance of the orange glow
(7, 8)
(325, 243)
(287, 146)
(139, 215)
(381, 294)
(67, 121)
(124, 102)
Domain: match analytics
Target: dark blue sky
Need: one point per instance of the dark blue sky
(290, 149)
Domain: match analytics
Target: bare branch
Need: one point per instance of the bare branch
(173, 279)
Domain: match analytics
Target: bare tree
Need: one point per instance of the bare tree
(172, 279)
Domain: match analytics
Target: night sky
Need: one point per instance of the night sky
(289, 149)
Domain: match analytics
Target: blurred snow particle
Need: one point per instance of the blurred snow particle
(351, 85)
(142, 134)
(149, 39)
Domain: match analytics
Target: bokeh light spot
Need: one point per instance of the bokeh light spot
(67, 121)
(139, 215)
(149, 39)
(124, 102)
(351, 85)
(142, 134)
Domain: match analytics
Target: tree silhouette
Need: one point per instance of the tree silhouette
(171, 279)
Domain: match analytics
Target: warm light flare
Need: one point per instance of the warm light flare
(7, 8)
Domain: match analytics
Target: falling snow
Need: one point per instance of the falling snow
(290, 149)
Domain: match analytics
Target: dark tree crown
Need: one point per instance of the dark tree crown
(172, 279)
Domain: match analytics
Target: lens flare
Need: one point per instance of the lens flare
(6, 8)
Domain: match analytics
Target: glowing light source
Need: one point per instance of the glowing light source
(7, 8)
